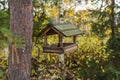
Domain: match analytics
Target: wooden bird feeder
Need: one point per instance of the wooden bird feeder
(63, 30)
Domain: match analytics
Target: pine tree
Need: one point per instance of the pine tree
(21, 23)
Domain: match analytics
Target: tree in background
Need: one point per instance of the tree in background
(19, 60)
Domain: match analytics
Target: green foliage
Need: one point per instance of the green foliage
(40, 20)
(101, 22)
(90, 61)
(96, 58)
(5, 33)
(3, 66)
(93, 57)
(114, 43)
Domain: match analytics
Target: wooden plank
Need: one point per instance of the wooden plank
(68, 29)
(63, 27)
(60, 41)
(57, 31)
(45, 31)
(74, 32)
(70, 49)
(51, 49)
(45, 39)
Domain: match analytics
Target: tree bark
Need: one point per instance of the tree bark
(113, 18)
(21, 23)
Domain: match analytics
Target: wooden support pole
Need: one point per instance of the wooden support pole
(60, 41)
(74, 39)
(45, 39)
(62, 65)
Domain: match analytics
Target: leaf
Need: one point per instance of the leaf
(48, 57)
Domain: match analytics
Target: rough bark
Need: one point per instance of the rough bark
(113, 18)
(19, 60)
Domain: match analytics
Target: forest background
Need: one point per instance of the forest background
(98, 54)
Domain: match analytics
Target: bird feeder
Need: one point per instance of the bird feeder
(62, 30)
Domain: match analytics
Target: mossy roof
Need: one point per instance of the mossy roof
(66, 29)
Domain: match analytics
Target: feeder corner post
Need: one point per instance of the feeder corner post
(74, 39)
(60, 40)
(45, 39)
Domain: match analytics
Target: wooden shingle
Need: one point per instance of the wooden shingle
(65, 29)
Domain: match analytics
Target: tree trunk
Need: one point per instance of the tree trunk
(113, 18)
(21, 23)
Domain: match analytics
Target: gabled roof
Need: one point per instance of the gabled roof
(65, 29)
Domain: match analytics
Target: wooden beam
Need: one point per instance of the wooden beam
(74, 39)
(57, 31)
(45, 39)
(45, 31)
(60, 41)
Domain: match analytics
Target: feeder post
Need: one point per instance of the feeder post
(62, 65)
